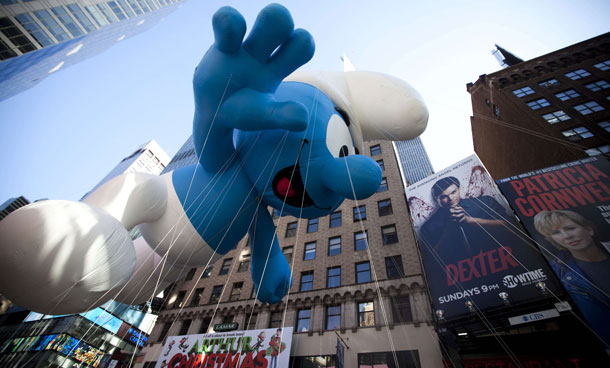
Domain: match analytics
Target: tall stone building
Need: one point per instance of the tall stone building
(545, 111)
(356, 277)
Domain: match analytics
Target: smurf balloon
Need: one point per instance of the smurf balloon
(265, 134)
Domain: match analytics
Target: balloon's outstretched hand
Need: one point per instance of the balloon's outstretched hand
(235, 81)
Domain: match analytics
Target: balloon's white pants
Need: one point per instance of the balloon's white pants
(60, 257)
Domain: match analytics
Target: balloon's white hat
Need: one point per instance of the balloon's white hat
(378, 106)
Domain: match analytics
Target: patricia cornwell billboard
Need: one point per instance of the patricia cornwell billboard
(244, 349)
(566, 209)
(473, 248)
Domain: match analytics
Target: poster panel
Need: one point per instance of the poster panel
(252, 348)
(474, 252)
(566, 209)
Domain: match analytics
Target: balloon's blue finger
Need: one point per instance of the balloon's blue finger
(272, 27)
(252, 110)
(292, 54)
(229, 29)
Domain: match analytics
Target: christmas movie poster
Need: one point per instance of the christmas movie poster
(268, 348)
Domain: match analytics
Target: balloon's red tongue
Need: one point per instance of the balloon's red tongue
(284, 188)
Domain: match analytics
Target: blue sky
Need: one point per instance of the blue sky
(58, 139)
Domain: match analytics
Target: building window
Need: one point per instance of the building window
(385, 207)
(216, 291)
(179, 299)
(381, 164)
(604, 65)
(383, 186)
(333, 317)
(605, 125)
(360, 213)
(366, 314)
(334, 246)
(598, 86)
(244, 264)
(237, 286)
(306, 281)
(335, 219)
(360, 240)
(208, 270)
(310, 251)
(126, 8)
(252, 320)
(577, 74)
(312, 225)
(67, 21)
(389, 235)
(539, 103)
(77, 12)
(275, 320)
(228, 318)
(567, 95)
(401, 309)
(190, 274)
(184, 329)
(393, 267)
(555, 117)
(601, 150)
(291, 230)
(333, 277)
(164, 331)
(303, 319)
(197, 297)
(549, 83)
(363, 272)
(522, 92)
(48, 21)
(205, 324)
(588, 108)
(226, 266)
(288, 253)
(576, 134)
(375, 150)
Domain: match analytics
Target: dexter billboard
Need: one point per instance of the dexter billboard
(566, 209)
(474, 252)
(251, 349)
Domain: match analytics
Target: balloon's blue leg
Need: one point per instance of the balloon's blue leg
(270, 270)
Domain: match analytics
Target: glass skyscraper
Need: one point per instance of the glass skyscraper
(414, 162)
(38, 38)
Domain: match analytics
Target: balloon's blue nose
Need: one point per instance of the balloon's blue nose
(353, 177)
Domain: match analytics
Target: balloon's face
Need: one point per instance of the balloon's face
(307, 174)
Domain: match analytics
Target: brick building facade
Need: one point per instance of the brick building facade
(375, 307)
(545, 111)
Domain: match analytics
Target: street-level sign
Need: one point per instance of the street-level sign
(533, 317)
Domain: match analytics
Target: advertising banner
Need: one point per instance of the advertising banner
(245, 349)
(474, 251)
(566, 209)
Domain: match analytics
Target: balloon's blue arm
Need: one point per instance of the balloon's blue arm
(235, 82)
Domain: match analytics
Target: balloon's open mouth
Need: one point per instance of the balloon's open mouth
(288, 187)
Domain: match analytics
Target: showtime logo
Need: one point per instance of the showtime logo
(526, 278)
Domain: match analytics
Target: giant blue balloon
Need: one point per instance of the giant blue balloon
(264, 136)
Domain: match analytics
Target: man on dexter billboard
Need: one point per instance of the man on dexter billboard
(474, 251)
(268, 348)
(566, 209)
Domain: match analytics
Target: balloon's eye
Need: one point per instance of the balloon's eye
(338, 137)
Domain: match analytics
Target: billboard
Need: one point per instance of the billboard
(566, 209)
(473, 249)
(252, 348)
